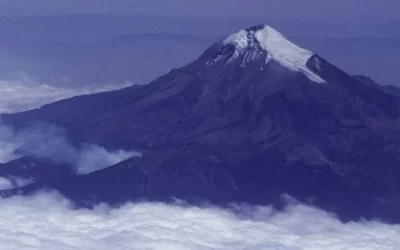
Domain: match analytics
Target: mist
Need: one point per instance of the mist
(13, 182)
(45, 141)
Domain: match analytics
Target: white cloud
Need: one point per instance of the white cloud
(13, 182)
(7, 144)
(46, 221)
(24, 93)
(93, 157)
(5, 183)
(50, 142)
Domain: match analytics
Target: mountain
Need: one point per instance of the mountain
(389, 89)
(353, 55)
(36, 170)
(253, 118)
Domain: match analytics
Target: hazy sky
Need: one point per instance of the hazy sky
(333, 10)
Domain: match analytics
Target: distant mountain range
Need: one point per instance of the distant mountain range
(140, 58)
(102, 49)
(253, 118)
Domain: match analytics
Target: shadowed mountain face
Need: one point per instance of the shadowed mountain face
(389, 89)
(254, 117)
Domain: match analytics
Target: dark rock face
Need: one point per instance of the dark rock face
(388, 89)
(36, 170)
(221, 132)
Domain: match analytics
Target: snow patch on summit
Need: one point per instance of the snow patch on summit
(253, 42)
(243, 40)
(239, 39)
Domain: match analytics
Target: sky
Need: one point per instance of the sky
(304, 10)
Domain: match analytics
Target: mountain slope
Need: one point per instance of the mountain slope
(388, 89)
(254, 117)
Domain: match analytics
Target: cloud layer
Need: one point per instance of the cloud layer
(45, 221)
(25, 93)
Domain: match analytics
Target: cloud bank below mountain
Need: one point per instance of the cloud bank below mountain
(46, 221)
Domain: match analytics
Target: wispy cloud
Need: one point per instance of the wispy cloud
(45, 221)
(11, 182)
(24, 93)
(50, 142)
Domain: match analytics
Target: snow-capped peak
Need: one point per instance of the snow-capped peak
(276, 46)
